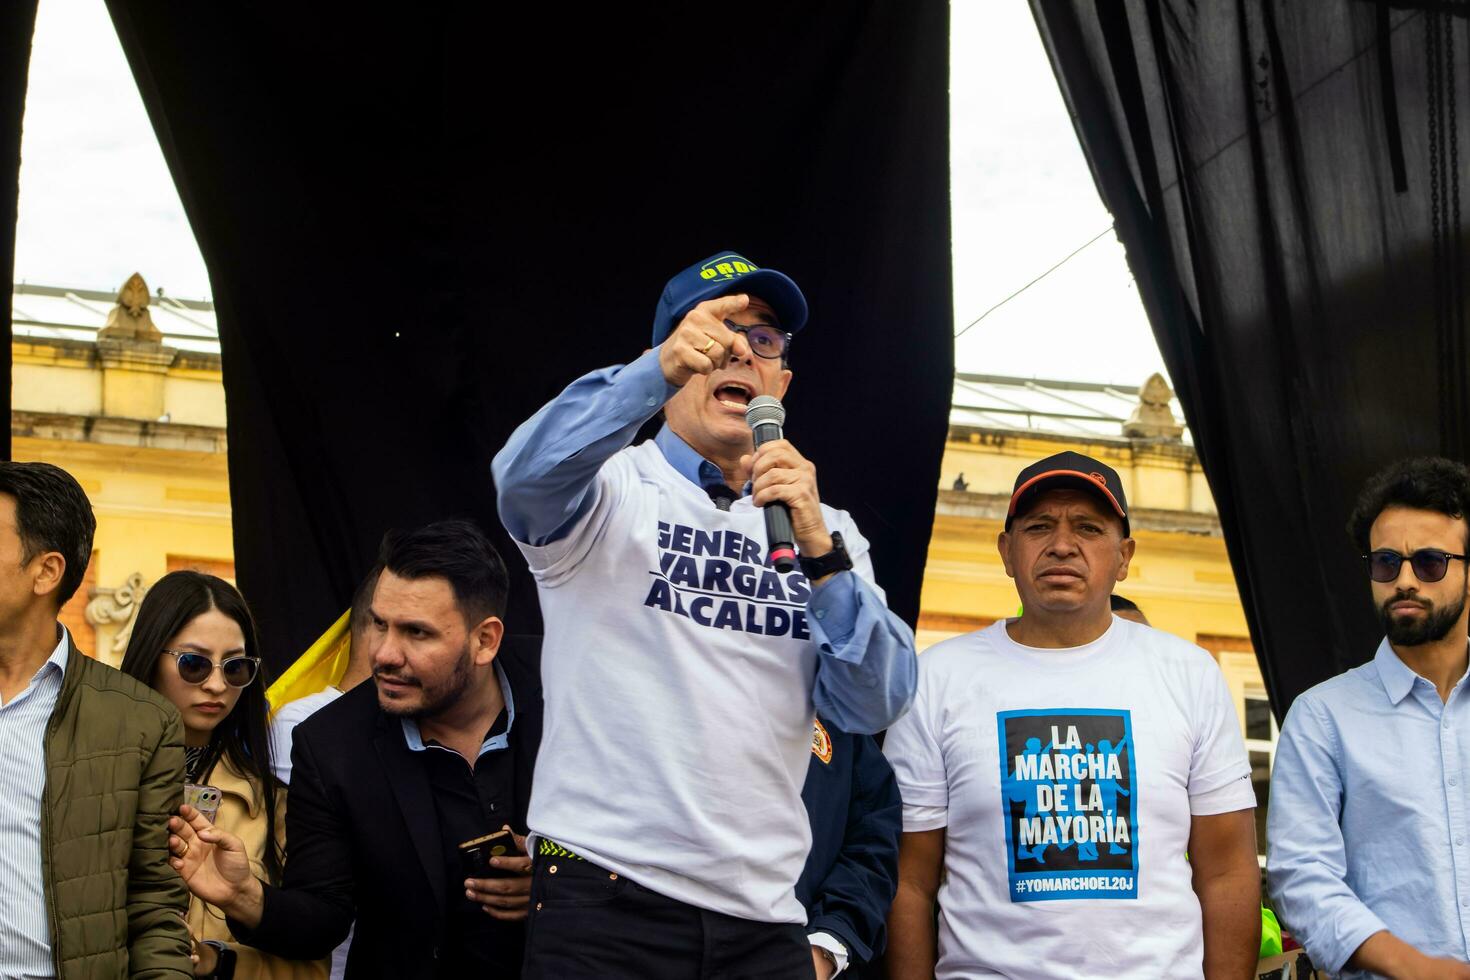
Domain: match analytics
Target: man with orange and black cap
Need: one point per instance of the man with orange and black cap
(1056, 768)
(681, 670)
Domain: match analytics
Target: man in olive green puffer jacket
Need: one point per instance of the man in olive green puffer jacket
(92, 767)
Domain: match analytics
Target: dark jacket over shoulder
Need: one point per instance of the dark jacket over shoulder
(363, 837)
(856, 814)
(114, 775)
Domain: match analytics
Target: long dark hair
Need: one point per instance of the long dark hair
(242, 737)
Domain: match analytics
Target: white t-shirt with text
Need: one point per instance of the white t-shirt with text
(1066, 781)
(677, 670)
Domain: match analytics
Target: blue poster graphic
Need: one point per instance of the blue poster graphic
(1070, 803)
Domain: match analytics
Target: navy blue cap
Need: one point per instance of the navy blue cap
(720, 275)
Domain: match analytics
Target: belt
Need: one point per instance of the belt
(547, 847)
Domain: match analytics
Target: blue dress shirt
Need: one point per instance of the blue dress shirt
(1369, 826)
(544, 476)
(25, 924)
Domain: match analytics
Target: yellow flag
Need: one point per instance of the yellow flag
(320, 667)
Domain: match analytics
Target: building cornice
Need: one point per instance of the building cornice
(968, 435)
(86, 353)
(965, 504)
(128, 433)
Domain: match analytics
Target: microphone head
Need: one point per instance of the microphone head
(764, 410)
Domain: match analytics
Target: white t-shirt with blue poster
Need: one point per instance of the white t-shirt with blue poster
(1066, 781)
(677, 670)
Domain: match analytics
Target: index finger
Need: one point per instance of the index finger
(723, 306)
(716, 329)
(739, 346)
(733, 341)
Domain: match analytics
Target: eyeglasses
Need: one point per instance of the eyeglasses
(195, 668)
(765, 340)
(1429, 564)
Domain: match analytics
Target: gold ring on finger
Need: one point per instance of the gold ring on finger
(709, 342)
(185, 849)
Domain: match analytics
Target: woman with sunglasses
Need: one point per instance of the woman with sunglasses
(194, 642)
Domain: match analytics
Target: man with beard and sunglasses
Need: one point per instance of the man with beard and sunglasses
(391, 778)
(1369, 828)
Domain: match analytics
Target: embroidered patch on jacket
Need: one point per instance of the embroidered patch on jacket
(821, 742)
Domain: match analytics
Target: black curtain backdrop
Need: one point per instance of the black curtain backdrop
(421, 225)
(17, 24)
(1285, 177)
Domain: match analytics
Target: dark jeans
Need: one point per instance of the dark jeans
(588, 922)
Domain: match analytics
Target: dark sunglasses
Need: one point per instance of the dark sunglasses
(195, 668)
(765, 340)
(1429, 564)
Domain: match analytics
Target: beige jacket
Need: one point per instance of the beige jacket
(242, 813)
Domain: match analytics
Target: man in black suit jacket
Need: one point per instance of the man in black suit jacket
(390, 778)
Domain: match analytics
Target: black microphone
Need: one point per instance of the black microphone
(765, 416)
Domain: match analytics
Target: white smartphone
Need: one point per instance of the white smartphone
(205, 799)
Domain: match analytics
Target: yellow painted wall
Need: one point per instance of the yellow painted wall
(54, 379)
(66, 379)
(151, 503)
(194, 398)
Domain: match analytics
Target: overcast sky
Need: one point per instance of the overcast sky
(96, 200)
(97, 203)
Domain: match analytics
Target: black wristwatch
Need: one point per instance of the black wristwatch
(224, 961)
(832, 562)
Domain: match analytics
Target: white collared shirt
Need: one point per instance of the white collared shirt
(25, 930)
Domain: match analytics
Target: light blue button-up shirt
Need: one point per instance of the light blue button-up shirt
(1369, 827)
(25, 928)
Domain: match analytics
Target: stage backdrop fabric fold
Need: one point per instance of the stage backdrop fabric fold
(420, 224)
(17, 24)
(1285, 177)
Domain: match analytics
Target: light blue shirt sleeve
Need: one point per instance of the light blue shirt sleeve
(545, 473)
(1307, 865)
(867, 669)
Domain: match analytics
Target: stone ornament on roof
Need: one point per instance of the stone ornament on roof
(130, 319)
(1153, 418)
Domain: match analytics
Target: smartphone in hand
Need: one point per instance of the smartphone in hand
(475, 855)
(205, 799)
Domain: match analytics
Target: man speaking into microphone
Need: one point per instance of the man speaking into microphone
(681, 668)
